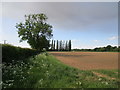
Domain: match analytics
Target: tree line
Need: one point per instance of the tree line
(108, 48)
(60, 45)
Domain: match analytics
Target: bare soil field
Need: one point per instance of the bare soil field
(89, 60)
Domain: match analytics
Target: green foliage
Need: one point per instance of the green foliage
(110, 73)
(45, 71)
(66, 46)
(35, 31)
(10, 53)
(108, 48)
(57, 46)
(54, 45)
(69, 45)
(60, 45)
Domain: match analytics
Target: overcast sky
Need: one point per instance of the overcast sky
(87, 24)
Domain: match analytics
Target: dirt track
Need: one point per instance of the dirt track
(89, 60)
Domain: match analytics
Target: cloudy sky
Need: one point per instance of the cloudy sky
(87, 24)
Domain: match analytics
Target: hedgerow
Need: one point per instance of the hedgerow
(10, 53)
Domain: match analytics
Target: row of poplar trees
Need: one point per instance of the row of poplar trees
(62, 45)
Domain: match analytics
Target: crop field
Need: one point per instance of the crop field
(102, 65)
(89, 60)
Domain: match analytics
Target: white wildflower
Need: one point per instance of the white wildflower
(40, 81)
(1, 83)
(100, 79)
(11, 80)
(14, 72)
(10, 84)
(79, 83)
(28, 72)
(106, 83)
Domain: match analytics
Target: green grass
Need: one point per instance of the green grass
(110, 73)
(45, 71)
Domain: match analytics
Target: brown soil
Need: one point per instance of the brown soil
(89, 60)
(103, 75)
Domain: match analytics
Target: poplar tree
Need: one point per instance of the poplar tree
(57, 46)
(60, 45)
(69, 45)
(66, 46)
(54, 45)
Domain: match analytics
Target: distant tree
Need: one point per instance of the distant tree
(66, 46)
(88, 49)
(35, 31)
(54, 45)
(57, 46)
(118, 48)
(61, 45)
(115, 48)
(96, 49)
(109, 48)
(102, 49)
(69, 45)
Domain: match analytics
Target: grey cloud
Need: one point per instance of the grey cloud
(59, 1)
(66, 16)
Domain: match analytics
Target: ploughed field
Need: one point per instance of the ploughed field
(89, 60)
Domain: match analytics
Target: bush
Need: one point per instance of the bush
(10, 53)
